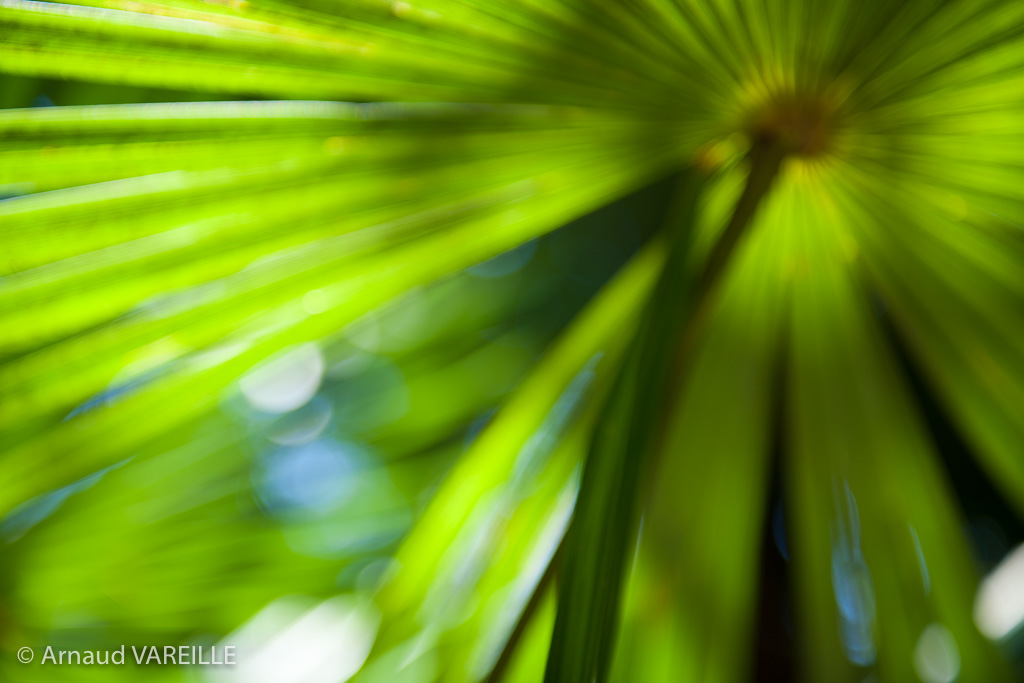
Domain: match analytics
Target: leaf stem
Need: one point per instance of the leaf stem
(632, 433)
(766, 159)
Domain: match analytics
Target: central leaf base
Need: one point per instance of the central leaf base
(802, 126)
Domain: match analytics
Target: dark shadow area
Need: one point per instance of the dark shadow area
(775, 655)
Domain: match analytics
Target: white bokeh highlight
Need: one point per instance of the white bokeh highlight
(936, 656)
(289, 642)
(286, 382)
(999, 605)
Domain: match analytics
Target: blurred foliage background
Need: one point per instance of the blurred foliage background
(323, 378)
(300, 485)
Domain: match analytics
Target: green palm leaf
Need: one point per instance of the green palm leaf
(852, 180)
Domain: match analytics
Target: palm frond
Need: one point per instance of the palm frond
(851, 217)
